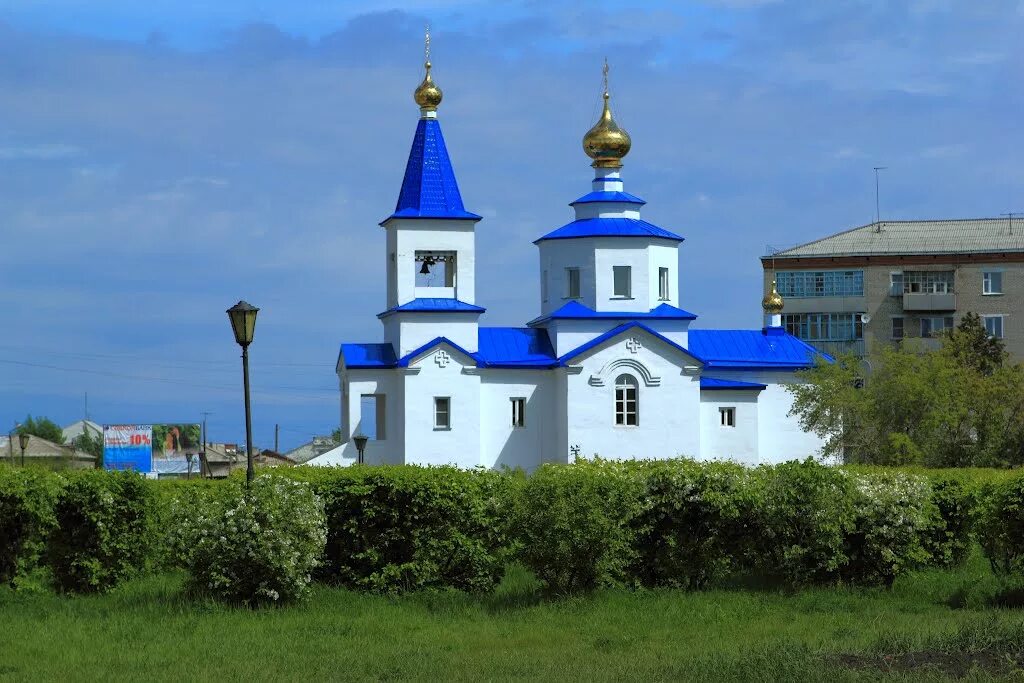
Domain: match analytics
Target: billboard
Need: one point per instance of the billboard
(134, 447)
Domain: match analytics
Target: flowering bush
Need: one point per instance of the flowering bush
(257, 545)
(26, 517)
(892, 515)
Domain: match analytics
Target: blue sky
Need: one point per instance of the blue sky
(161, 160)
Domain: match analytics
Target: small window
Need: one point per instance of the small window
(934, 327)
(992, 283)
(626, 404)
(518, 412)
(727, 417)
(572, 283)
(896, 284)
(544, 286)
(897, 328)
(442, 412)
(621, 276)
(993, 325)
(663, 284)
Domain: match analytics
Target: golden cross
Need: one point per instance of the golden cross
(604, 71)
(426, 45)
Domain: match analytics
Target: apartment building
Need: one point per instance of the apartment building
(893, 280)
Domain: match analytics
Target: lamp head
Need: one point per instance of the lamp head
(243, 322)
(360, 440)
(23, 440)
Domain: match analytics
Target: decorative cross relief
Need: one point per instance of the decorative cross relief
(442, 358)
(633, 345)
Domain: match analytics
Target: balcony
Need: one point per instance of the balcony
(929, 302)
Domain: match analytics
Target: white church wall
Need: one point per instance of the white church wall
(409, 331)
(663, 255)
(406, 237)
(555, 257)
(442, 372)
(606, 210)
(632, 252)
(676, 330)
(738, 442)
(504, 444)
(385, 383)
(669, 401)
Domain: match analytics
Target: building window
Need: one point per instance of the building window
(442, 412)
(896, 284)
(727, 417)
(371, 420)
(435, 268)
(800, 284)
(992, 282)
(626, 401)
(572, 282)
(824, 326)
(544, 286)
(928, 282)
(934, 327)
(993, 325)
(621, 286)
(663, 284)
(518, 412)
(897, 327)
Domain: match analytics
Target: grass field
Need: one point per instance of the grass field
(931, 626)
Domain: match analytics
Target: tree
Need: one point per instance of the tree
(972, 345)
(44, 428)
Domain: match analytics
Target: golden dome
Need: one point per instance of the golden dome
(772, 303)
(428, 95)
(606, 143)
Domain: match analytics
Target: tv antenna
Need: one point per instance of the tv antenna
(878, 215)
(1009, 215)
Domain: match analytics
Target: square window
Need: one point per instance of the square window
(442, 412)
(518, 412)
(992, 283)
(663, 284)
(727, 416)
(621, 276)
(993, 325)
(572, 281)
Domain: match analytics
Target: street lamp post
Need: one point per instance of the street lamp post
(23, 442)
(360, 440)
(243, 324)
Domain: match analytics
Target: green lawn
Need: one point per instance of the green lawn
(148, 630)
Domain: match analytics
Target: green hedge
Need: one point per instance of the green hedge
(26, 519)
(1001, 524)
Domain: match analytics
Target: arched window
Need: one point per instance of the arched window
(626, 403)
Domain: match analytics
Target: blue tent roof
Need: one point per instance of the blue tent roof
(738, 349)
(574, 310)
(607, 196)
(434, 305)
(429, 189)
(518, 347)
(369, 355)
(609, 227)
(712, 383)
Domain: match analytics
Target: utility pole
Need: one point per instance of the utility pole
(277, 433)
(878, 214)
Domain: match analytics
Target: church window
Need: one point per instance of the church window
(435, 268)
(572, 281)
(626, 402)
(442, 412)
(621, 276)
(518, 412)
(663, 284)
(727, 416)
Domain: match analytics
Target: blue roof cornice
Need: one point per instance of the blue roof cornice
(434, 305)
(616, 331)
(609, 196)
(715, 384)
(429, 188)
(609, 227)
(574, 310)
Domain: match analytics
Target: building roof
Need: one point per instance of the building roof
(434, 305)
(609, 227)
(311, 449)
(76, 429)
(746, 349)
(429, 188)
(713, 383)
(574, 310)
(39, 447)
(957, 236)
(614, 332)
(404, 361)
(517, 347)
(369, 355)
(609, 196)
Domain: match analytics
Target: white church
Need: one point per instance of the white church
(610, 367)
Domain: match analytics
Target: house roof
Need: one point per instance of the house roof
(434, 305)
(429, 188)
(39, 447)
(713, 383)
(609, 227)
(609, 196)
(574, 310)
(746, 349)
(955, 236)
(76, 429)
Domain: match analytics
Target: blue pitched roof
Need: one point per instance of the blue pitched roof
(434, 305)
(609, 227)
(515, 347)
(609, 196)
(429, 189)
(574, 310)
(404, 360)
(369, 355)
(740, 349)
(712, 383)
(615, 331)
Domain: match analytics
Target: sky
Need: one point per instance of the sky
(160, 161)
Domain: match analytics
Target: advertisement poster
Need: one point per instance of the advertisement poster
(176, 441)
(128, 447)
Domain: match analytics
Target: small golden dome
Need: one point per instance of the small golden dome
(606, 143)
(428, 95)
(772, 303)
